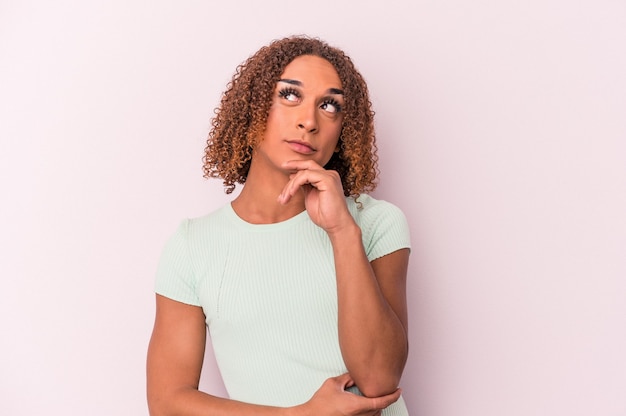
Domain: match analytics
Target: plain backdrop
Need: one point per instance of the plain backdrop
(502, 135)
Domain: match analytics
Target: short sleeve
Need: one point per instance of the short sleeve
(385, 230)
(175, 278)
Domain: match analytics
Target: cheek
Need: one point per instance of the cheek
(275, 113)
(333, 138)
(273, 124)
(337, 131)
(271, 119)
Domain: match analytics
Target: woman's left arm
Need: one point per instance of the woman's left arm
(372, 313)
(371, 296)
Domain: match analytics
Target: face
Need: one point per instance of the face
(305, 117)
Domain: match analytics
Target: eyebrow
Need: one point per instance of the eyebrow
(336, 91)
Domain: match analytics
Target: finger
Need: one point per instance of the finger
(302, 165)
(320, 179)
(344, 380)
(304, 177)
(290, 190)
(383, 402)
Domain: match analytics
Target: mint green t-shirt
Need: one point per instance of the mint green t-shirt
(269, 295)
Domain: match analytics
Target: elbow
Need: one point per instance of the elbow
(377, 381)
(376, 385)
(378, 373)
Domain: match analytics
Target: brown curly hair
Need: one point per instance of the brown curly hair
(240, 119)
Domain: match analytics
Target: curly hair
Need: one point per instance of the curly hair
(240, 120)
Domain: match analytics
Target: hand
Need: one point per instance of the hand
(323, 194)
(332, 399)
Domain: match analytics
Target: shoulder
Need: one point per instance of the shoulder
(184, 256)
(194, 235)
(211, 223)
(366, 209)
(383, 225)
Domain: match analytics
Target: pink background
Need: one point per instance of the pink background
(502, 134)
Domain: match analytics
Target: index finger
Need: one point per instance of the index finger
(302, 165)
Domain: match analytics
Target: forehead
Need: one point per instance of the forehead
(312, 71)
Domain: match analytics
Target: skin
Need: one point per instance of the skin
(285, 178)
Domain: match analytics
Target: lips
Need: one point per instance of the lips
(300, 146)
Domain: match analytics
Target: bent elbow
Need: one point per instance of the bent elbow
(378, 386)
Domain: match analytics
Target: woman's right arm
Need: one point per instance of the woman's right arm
(174, 363)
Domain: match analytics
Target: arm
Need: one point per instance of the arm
(174, 363)
(372, 313)
(372, 297)
(175, 356)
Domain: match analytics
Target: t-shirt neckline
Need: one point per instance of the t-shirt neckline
(290, 222)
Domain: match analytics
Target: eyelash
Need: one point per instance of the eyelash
(288, 91)
(285, 92)
(334, 103)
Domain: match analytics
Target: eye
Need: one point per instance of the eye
(331, 105)
(289, 94)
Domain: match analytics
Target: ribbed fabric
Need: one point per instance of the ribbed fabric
(270, 296)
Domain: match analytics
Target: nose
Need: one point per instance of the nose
(307, 118)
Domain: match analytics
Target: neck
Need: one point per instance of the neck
(257, 203)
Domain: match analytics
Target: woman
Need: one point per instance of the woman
(301, 279)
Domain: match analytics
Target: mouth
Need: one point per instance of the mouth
(300, 146)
